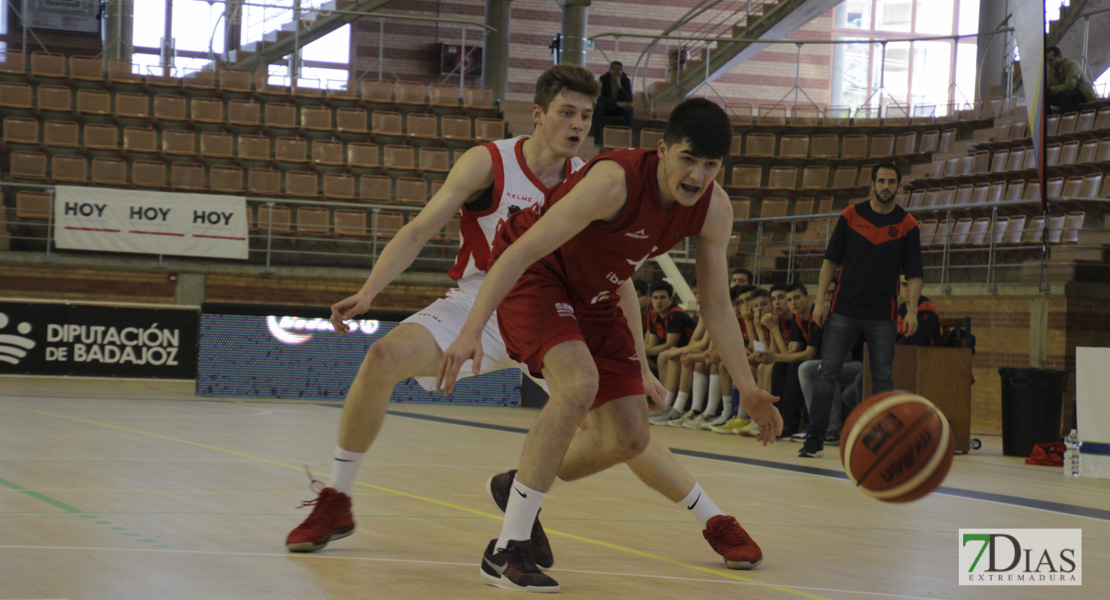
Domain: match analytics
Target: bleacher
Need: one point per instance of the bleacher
(790, 172)
(313, 163)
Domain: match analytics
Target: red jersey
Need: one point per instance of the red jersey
(595, 262)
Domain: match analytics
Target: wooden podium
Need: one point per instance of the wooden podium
(941, 374)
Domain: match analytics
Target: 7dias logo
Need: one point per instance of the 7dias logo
(14, 347)
(1021, 557)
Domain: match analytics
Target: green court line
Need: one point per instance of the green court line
(38, 496)
(701, 569)
(69, 509)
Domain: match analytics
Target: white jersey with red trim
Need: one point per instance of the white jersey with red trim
(514, 187)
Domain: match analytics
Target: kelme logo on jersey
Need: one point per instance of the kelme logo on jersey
(1021, 557)
(639, 235)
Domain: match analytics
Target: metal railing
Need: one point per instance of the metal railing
(268, 248)
(642, 67)
(803, 256)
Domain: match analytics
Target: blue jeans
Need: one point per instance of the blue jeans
(807, 374)
(837, 338)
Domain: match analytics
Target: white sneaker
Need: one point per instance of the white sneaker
(721, 420)
(680, 421)
(752, 430)
(661, 417)
(697, 421)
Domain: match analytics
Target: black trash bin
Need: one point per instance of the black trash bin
(1031, 403)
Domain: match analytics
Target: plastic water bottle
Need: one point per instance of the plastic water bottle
(1072, 457)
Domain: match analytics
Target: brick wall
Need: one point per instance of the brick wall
(312, 292)
(155, 287)
(64, 283)
(1002, 325)
(410, 49)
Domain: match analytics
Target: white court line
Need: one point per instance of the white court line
(469, 565)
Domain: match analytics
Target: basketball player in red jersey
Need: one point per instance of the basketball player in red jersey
(572, 274)
(487, 183)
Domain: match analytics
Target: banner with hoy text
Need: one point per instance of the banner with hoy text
(115, 220)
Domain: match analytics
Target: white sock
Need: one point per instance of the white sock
(344, 469)
(698, 401)
(699, 503)
(701, 382)
(726, 406)
(670, 398)
(680, 401)
(713, 403)
(520, 513)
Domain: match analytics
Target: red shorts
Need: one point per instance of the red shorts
(538, 314)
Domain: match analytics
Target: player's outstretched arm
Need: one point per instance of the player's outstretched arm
(472, 173)
(600, 195)
(721, 322)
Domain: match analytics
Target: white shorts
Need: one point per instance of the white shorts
(445, 317)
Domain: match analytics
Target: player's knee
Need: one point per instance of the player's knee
(633, 442)
(383, 359)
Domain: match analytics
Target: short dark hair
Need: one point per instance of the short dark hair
(744, 289)
(662, 285)
(797, 286)
(760, 293)
(886, 165)
(618, 63)
(779, 287)
(734, 292)
(704, 124)
(1054, 50)
(641, 287)
(749, 274)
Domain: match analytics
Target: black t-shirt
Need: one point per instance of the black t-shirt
(807, 332)
(872, 250)
(675, 320)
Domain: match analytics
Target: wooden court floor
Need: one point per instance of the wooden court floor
(129, 490)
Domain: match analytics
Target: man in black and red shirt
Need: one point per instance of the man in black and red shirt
(873, 242)
(928, 322)
(668, 325)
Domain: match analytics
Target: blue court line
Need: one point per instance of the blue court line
(1057, 507)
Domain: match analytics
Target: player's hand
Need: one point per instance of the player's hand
(746, 312)
(766, 358)
(656, 393)
(769, 320)
(465, 347)
(820, 313)
(909, 324)
(762, 411)
(347, 309)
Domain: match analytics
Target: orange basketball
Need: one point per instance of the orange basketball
(898, 446)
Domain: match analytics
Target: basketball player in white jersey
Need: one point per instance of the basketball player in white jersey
(486, 183)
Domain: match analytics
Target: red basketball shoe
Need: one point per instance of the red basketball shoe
(331, 519)
(729, 539)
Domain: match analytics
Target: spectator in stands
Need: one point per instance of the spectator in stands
(782, 309)
(741, 277)
(873, 242)
(1068, 85)
(805, 345)
(668, 325)
(615, 99)
(928, 321)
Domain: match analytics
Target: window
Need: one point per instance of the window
(197, 29)
(914, 73)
